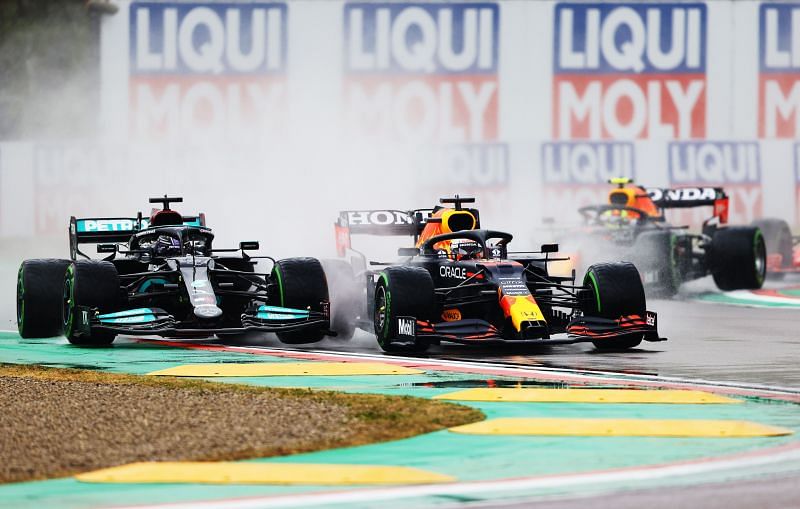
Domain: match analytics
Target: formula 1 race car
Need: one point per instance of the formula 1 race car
(783, 249)
(168, 282)
(458, 284)
(632, 226)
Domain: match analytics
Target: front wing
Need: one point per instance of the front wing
(156, 321)
(579, 330)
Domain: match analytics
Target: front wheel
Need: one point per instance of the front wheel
(615, 290)
(402, 292)
(301, 284)
(89, 285)
(737, 258)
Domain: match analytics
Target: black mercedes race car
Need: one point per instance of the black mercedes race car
(163, 277)
(632, 226)
(459, 283)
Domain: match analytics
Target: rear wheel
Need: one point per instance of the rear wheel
(737, 258)
(92, 284)
(301, 284)
(402, 291)
(778, 240)
(39, 285)
(615, 290)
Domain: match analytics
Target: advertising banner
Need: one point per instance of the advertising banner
(207, 70)
(779, 70)
(629, 71)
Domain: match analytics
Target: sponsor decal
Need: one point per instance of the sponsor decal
(453, 272)
(513, 287)
(629, 70)
(779, 70)
(734, 166)
(650, 318)
(105, 225)
(378, 218)
(451, 315)
(207, 69)
(406, 327)
(84, 317)
(422, 71)
(577, 172)
(682, 194)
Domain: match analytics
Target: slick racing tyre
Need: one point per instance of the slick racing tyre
(347, 297)
(657, 258)
(301, 284)
(402, 291)
(737, 258)
(89, 284)
(39, 285)
(778, 239)
(615, 290)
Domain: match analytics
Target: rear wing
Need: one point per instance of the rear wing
(112, 230)
(688, 197)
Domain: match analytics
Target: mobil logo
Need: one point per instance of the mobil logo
(627, 71)
(779, 70)
(422, 71)
(577, 173)
(468, 166)
(733, 165)
(206, 68)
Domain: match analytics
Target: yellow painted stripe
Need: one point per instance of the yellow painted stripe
(536, 395)
(287, 369)
(261, 473)
(621, 427)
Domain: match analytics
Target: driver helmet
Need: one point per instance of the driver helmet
(167, 245)
(467, 250)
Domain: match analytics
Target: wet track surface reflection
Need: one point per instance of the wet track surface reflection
(706, 341)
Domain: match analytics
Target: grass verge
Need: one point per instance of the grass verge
(59, 422)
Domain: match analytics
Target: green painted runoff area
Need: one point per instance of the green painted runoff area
(465, 457)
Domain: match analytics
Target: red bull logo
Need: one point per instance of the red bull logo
(779, 77)
(735, 166)
(628, 71)
(207, 69)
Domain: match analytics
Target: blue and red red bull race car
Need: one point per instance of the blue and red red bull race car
(162, 276)
(460, 283)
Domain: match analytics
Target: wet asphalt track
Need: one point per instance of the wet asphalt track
(705, 341)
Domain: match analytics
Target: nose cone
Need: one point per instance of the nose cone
(207, 311)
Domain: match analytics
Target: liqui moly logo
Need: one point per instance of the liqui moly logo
(578, 172)
(628, 71)
(734, 166)
(779, 65)
(207, 69)
(422, 72)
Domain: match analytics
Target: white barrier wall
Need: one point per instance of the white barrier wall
(532, 106)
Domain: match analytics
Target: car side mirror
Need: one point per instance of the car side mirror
(250, 245)
(407, 251)
(549, 248)
(106, 248)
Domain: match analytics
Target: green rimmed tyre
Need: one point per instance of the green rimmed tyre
(402, 292)
(301, 284)
(778, 239)
(615, 290)
(89, 285)
(737, 258)
(39, 297)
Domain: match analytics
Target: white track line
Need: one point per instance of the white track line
(647, 473)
